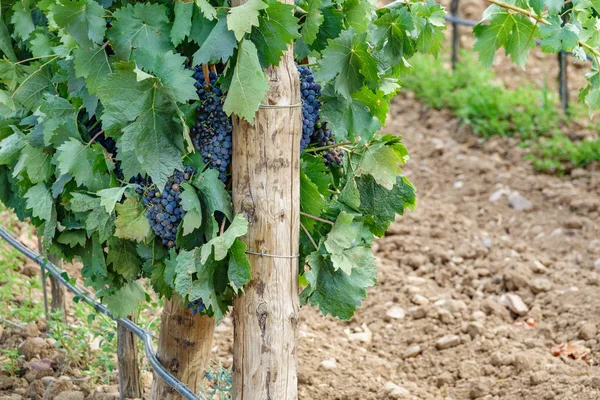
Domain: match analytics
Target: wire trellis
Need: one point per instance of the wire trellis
(145, 336)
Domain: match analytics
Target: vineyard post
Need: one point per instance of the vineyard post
(266, 189)
(59, 300)
(130, 383)
(184, 348)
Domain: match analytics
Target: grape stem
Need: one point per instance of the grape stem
(316, 218)
(206, 73)
(309, 236)
(222, 227)
(95, 137)
(331, 146)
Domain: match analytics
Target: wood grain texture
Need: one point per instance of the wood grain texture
(59, 299)
(266, 189)
(130, 383)
(184, 348)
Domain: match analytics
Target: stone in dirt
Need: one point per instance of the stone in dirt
(447, 342)
(588, 331)
(32, 347)
(393, 391)
(70, 395)
(573, 223)
(597, 263)
(8, 382)
(31, 330)
(540, 285)
(328, 365)
(481, 388)
(412, 351)
(514, 303)
(396, 312)
(11, 397)
(518, 202)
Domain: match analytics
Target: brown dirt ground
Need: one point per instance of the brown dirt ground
(449, 266)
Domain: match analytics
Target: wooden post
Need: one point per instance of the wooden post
(59, 300)
(266, 189)
(184, 348)
(130, 383)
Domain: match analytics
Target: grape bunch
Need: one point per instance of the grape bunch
(309, 92)
(164, 211)
(197, 306)
(323, 137)
(211, 134)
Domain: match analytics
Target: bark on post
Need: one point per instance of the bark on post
(266, 188)
(130, 383)
(184, 348)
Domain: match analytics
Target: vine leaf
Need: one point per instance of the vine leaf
(218, 46)
(182, 25)
(214, 198)
(377, 102)
(59, 120)
(36, 162)
(241, 19)
(93, 65)
(313, 21)
(311, 201)
(131, 222)
(347, 244)
(239, 267)
(110, 197)
(39, 201)
(192, 207)
(277, 28)
(72, 238)
(11, 146)
(75, 158)
(123, 256)
(83, 19)
(22, 19)
(125, 300)
(334, 291)
(390, 33)
(248, 85)
(6, 45)
(358, 14)
(220, 245)
(207, 9)
(348, 60)
(97, 219)
(143, 28)
(558, 36)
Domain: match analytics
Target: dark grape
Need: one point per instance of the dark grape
(197, 306)
(163, 209)
(323, 137)
(212, 132)
(309, 93)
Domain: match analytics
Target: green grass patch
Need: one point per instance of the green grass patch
(531, 114)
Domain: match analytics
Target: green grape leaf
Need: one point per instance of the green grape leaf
(220, 245)
(239, 269)
(131, 222)
(143, 28)
(60, 120)
(72, 238)
(22, 19)
(11, 74)
(333, 291)
(312, 21)
(96, 217)
(207, 9)
(176, 78)
(377, 103)
(31, 90)
(192, 207)
(490, 37)
(94, 264)
(277, 28)
(157, 277)
(122, 254)
(36, 162)
(521, 39)
(214, 198)
(390, 33)
(428, 18)
(347, 60)
(554, 6)
(203, 287)
(557, 37)
(182, 25)
(93, 65)
(358, 14)
(110, 197)
(241, 19)
(10, 147)
(347, 244)
(332, 26)
(311, 201)
(316, 171)
(382, 163)
(6, 45)
(83, 19)
(537, 5)
(249, 83)
(77, 159)
(41, 44)
(125, 300)
(218, 46)
(39, 201)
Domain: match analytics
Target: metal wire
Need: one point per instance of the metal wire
(263, 254)
(135, 329)
(276, 106)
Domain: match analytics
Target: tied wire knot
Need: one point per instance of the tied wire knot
(263, 254)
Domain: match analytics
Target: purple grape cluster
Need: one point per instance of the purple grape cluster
(212, 132)
(309, 92)
(323, 137)
(197, 306)
(163, 209)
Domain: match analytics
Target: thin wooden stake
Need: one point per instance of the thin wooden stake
(130, 382)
